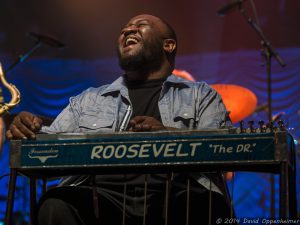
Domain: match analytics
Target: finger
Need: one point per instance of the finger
(157, 128)
(18, 130)
(15, 133)
(37, 122)
(146, 127)
(142, 128)
(139, 119)
(9, 135)
(28, 121)
(132, 123)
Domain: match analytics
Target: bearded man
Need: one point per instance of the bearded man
(146, 98)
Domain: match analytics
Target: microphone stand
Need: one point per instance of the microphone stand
(267, 52)
(22, 58)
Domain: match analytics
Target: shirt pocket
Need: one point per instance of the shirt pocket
(92, 123)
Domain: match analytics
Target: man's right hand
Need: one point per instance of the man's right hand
(25, 125)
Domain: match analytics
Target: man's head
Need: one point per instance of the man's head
(145, 43)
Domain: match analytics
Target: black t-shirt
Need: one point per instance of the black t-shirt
(144, 96)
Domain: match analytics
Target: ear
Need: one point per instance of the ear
(169, 45)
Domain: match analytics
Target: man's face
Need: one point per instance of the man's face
(140, 44)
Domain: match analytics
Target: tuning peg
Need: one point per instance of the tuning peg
(251, 126)
(242, 129)
(262, 127)
(281, 124)
(272, 127)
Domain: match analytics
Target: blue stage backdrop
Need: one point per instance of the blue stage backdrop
(47, 84)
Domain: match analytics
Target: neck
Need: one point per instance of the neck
(163, 72)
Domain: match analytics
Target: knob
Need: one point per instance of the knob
(251, 126)
(281, 125)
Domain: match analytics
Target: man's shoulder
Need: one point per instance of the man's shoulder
(90, 94)
(96, 90)
(93, 91)
(116, 85)
(200, 86)
(173, 79)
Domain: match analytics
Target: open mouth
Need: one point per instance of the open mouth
(131, 41)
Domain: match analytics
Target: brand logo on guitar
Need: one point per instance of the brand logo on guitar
(43, 155)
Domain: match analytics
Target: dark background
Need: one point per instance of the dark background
(89, 27)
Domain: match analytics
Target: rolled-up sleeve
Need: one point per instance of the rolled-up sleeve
(212, 112)
(67, 120)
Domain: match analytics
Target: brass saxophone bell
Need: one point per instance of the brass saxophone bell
(15, 94)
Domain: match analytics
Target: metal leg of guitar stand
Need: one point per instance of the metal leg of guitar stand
(283, 205)
(124, 204)
(10, 197)
(145, 199)
(210, 203)
(188, 187)
(33, 217)
(167, 199)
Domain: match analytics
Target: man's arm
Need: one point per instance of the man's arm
(211, 112)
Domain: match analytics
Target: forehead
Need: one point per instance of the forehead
(148, 18)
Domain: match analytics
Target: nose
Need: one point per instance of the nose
(132, 29)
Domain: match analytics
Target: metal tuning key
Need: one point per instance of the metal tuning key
(251, 126)
(281, 125)
(271, 127)
(262, 127)
(241, 129)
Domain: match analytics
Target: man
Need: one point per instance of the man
(146, 98)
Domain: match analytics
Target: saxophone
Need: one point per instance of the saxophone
(15, 95)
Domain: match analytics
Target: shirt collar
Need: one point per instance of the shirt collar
(119, 84)
(116, 86)
(172, 79)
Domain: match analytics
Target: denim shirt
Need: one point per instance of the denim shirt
(182, 104)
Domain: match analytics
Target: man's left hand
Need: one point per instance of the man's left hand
(145, 123)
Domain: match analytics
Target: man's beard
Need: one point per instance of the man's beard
(148, 58)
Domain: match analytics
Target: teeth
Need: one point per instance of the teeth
(131, 41)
